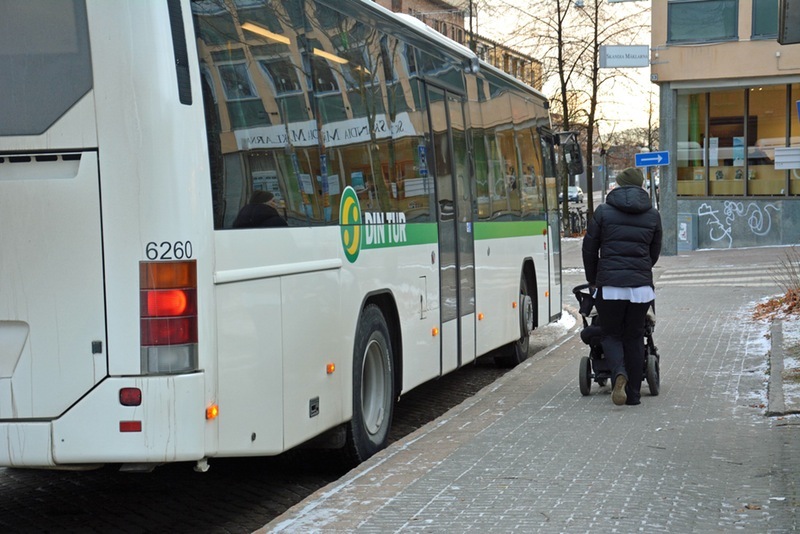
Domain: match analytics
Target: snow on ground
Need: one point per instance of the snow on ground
(791, 360)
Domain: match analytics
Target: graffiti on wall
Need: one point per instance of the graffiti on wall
(756, 217)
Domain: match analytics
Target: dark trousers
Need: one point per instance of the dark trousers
(622, 324)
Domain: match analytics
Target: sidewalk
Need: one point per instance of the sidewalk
(530, 453)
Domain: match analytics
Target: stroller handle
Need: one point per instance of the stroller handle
(585, 299)
(579, 289)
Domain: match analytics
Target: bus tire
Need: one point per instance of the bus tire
(373, 391)
(517, 352)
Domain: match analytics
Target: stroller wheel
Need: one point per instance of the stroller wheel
(602, 382)
(652, 374)
(585, 376)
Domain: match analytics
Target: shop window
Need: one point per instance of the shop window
(765, 18)
(767, 107)
(726, 142)
(702, 20)
(722, 153)
(691, 120)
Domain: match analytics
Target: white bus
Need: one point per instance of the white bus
(144, 321)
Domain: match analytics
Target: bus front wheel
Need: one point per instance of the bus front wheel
(373, 391)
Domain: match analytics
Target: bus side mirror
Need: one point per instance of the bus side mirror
(572, 155)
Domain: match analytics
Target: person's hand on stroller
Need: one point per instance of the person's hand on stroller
(587, 303)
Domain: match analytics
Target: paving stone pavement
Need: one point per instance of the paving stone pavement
(529, 453)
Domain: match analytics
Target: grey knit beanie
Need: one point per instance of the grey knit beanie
(630, 176)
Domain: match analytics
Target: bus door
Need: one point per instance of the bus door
(455, 217)
(553, 222)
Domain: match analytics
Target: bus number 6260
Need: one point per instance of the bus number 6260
(167, 250)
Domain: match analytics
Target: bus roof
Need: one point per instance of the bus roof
(511, 79)
(413, 30)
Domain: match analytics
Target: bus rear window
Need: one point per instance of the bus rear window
(44, 61)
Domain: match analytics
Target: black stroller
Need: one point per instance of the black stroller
(595, 367)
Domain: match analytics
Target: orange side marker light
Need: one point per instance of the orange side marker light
(212, 412)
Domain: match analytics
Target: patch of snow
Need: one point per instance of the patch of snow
(567, 320)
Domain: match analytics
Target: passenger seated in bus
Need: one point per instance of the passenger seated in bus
(260, 212)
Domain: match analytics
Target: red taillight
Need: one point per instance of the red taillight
(168, 303)
(169, 331)
(130, 396)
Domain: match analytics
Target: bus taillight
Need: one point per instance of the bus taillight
(168, 316)
(169, 302)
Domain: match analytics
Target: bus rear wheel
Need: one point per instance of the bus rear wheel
(373, 391)
(517, 352)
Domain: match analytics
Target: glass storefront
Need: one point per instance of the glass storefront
(727, 140)
(767, 105)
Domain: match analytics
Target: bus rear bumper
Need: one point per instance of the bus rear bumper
(99, 429)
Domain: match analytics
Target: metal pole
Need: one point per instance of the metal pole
(605, 176)
(471, 35)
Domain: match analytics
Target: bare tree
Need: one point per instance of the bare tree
(567, 36)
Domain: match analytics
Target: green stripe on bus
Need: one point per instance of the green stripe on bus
(398, 235)
(499, 229)
(394, 235)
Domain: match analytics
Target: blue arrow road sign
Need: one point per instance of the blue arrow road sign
(652, 159)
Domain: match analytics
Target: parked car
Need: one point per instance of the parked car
(575, 194)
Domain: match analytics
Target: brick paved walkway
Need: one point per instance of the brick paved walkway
(530, 454)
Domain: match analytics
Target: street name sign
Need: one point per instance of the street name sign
(652, 159)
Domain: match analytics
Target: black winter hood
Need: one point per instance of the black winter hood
(630, 199)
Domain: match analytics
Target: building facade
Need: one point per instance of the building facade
(729, 97)
(448, 19)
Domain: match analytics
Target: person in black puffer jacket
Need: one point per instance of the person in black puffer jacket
(621, 246)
